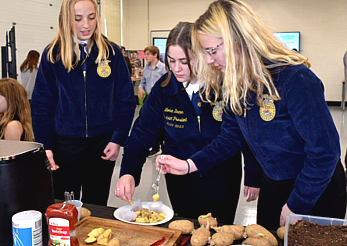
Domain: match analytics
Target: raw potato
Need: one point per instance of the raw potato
(260, 232)
(207, 220)
(85, 213)
(236, 230)
(222, 239)
(114, 242)
(256, 241)
(185, 226)
(281, 231)
(200, 236)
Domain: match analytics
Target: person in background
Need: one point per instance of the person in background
(276, 101)
(15, 116)
(29, 70)
(151, 73)
(127, 61)
(189, 124)
(83, 103)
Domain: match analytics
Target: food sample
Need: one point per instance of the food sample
(185, 226)
(200, 236)
(207, 220)
(156, 197)
(104, 237)
(146, 216)
(222, 239)
(99, 235)
(311, 234)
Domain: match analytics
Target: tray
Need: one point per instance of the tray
(128, 234)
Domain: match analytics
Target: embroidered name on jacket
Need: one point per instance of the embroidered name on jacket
(173, 120)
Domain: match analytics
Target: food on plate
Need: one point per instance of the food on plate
(113, 242)
(200, 236)
(146, 216)
(222, 239)
(85, 213)
(104, 237)
(236, 230)
(281, 231)
(156, 197)
(207, 220)
(258, 231)
(185, 226)
(256, 241)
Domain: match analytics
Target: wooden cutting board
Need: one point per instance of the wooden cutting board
(128, 234)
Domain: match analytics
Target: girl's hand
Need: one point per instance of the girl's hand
(252, 193)
(174, 165)
(125, 188)
(51, 161)
(111, 151)
(284, 213)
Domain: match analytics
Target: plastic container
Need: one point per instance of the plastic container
(62, 219)
(293, 218)
(27, 228)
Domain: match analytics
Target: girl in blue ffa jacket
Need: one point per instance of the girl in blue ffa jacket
(279, 105)
(83, 103)
(190, 124)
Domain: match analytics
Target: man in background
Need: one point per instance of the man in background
(151, 73)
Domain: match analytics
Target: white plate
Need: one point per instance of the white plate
(167, 211)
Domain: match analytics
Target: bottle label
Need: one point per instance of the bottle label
(59, 231)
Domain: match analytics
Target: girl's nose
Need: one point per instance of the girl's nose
(209, 59)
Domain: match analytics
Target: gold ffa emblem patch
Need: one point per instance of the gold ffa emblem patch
(217, 111)
(268, 110)
(104, 70)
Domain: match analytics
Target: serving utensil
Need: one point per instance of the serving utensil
(155, 185)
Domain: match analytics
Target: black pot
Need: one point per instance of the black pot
(25, 184)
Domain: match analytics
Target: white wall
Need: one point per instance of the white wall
(36, 24)
(323, 27)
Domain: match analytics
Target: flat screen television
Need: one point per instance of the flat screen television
(290, 39)
(161, 44)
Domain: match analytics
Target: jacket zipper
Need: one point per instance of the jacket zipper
(85, 100)
(199, 123)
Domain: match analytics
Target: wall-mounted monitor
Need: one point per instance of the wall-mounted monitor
(161, 44)
(290, 39)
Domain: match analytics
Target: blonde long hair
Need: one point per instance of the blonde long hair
(18, 104)
(250, 50)
(66, 31)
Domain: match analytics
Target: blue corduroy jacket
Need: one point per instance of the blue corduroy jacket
(66, 104)
(170, 108)
(300, 142)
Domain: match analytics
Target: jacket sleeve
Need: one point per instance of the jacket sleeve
(253, 170)
(43, 103)
(125, 100)
(143, 135)
(224, 146)
(304, 95)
